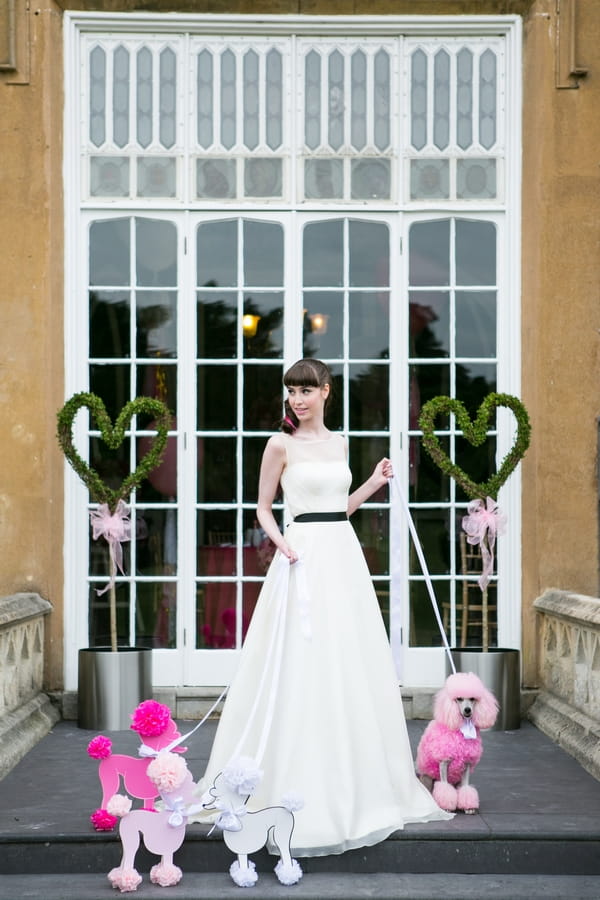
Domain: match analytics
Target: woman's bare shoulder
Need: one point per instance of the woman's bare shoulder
(275, 446)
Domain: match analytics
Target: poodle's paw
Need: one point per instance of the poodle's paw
(467, 799)
(125, 879)
(243, 877)
(445, 795)
(288, 873)
(165, 874)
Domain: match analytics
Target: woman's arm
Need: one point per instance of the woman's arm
(271, 467)
(382, 471)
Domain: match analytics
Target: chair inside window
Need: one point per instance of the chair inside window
(469, 611)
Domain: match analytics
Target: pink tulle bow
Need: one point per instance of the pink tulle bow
(482, 525)
(116, 528)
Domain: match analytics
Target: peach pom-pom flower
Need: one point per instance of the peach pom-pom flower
(167, 772)
(150, 718)
(119, 805)
(99, 747)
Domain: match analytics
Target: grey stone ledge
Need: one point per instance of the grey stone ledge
(20, 607)
(21, 729)
(577, 733)
(572, 607)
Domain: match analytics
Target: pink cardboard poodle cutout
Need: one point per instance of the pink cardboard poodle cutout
(245, 832)
(163, 830)
(153, 722)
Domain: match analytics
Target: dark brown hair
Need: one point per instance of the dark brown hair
(305, 373)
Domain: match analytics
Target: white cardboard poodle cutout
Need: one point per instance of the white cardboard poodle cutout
(246, 832)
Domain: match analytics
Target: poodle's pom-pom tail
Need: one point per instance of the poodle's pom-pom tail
(292, 801)
(165, 874)
(243, 877)
(288, 873)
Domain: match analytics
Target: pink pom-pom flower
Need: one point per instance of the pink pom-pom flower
(100, 747)
(150, 718)
(167, 771)
(102, 820)
(118, 805)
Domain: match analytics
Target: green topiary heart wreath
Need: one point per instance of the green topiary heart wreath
(113, 436)
(476, 433)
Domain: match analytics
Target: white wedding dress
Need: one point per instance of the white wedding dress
(315, 696)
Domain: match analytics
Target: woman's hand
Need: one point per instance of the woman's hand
(289, 553)
(383, 471)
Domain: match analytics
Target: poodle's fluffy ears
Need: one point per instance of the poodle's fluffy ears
(467, 686)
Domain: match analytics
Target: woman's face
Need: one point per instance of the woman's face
(307, 402)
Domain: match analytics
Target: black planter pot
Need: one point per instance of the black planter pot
(500, 671)
(111, 685)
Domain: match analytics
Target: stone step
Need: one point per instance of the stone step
(339, 886)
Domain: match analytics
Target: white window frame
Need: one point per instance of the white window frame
(508, 369)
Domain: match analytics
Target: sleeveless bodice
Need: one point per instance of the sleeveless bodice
(316, 477)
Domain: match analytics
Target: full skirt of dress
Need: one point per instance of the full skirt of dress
(316, 701)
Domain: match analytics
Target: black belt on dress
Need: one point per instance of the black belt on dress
(322, 517)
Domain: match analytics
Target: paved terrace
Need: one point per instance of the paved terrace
(537, 833)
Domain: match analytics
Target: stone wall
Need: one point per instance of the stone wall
(26, 713)
(567, 708)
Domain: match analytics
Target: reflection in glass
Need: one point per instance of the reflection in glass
(424, 630)
(156, 614)
(156, 322)
(369, 325)
(157, 380)
(216, 528)
(216, 391)
(112, 384)
(217, 325)
(217, 473)
(478, 462)
(253, 449)
(217, 254)
(109, 324)
(156, 253)
(473, 382)
(263, 254)
(323, 179)
(433, 528)
(109, 176)
(382, 589)
(156, 541)
(369, 254)
(316, 342)
(111, 465)
(475, 252)
(373, 532)
(323, 254)
(267, 341)
(109, 252)
(429, 253)
(263, 393)
(429, 318)
(364, 454)
(161, 484)
(429, 381)
(476, 323)
(368, 387)
(427, 483)
(335, 410)
(99, 615)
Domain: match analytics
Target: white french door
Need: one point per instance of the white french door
(235, 201)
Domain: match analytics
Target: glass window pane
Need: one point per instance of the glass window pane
(427, 483)
(464, 98)
(369, 325)
(217, 324)
(97, 96)
(262, 325)
(263, 254)
(144, 97)
(109, 176)
(369, 254)
(429, 318)
(216, 259)
(156, 614)
(473, 383)
(251, 99)
(358, 118)
(109, 252)
(441, 99)
(99, 615)
(475, 179)
(109, 324)
(263, 177)
(364, 454)
(228, 99)
(478, 462)
(156, 541)
(381, 100)
(121, 96)
(156, 253)
(487, 99)
(335, 410)
(418, 100)
(99, 555)
(156, 323)
(157, 380)
(253, 449)
(168, 98)
(336, 99)
(323, 324)
(156, 177)
(475, 323)
(216, 528)
(323, 179)
(370, 179)
(263, 398)
(216, 471)
(312, 100)
(429, 254)
(322, 254)
(368, 387)
(161, 483)
(475, 252)
(433, 528)
(382, 589)
(216, 388)
(274, 99)
(215, 178)
(429, 179)
(372, 529)
(427, 382)
(204, 89)
(111, 383)
(424, 630)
